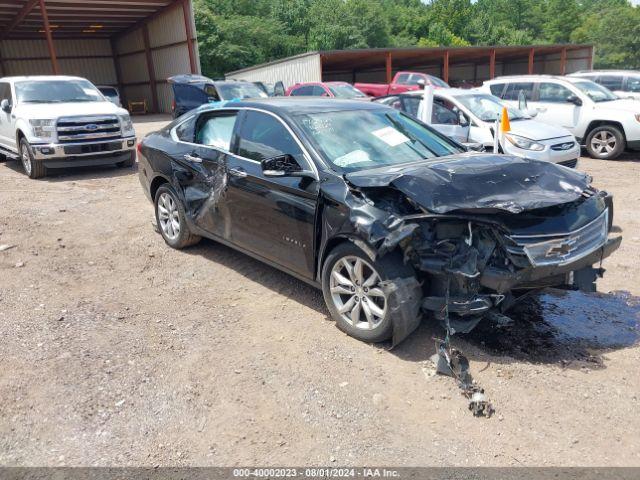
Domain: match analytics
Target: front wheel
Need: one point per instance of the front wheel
(605, 143)
(354, 294)
(32, 167)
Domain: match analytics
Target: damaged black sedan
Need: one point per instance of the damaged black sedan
(390, 218)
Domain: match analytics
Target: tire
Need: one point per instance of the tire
(33, 168)
(605, 143)
(388, 267)
(169, 210)
(127, 163)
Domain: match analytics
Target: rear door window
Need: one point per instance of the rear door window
(216, 130)
(306, 90)
(633, 84)
(612, 82)
(513, 90)
(553, 92)
(318, 91)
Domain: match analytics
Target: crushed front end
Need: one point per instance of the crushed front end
(481, 231)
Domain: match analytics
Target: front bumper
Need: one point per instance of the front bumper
(501, 280)
(78, 153)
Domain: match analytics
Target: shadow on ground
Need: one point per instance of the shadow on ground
(553, 326)
(77, 173)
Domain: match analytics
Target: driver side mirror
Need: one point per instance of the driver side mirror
(283, 166)
(575, 100)
(421, 82)
(5, 105)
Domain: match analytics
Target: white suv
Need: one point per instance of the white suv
(56, 122)
(602, 122)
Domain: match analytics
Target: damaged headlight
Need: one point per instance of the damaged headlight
(42, 128)
(126, 124)
(524, 143)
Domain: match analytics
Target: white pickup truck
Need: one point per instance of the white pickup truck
(53, 122)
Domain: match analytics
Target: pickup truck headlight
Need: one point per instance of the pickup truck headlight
(126, 124)
(524, 143)
(42, 128)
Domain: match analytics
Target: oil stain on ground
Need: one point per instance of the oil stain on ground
(563, 326)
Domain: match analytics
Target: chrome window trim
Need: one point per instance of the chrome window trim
(305, 152)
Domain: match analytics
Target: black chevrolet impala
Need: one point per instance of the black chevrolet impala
(390, 218)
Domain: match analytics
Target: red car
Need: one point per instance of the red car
(325, 89)
(402, 82)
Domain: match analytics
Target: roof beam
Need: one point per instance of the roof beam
(18, 18)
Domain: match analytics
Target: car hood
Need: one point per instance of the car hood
(534, 130)
(56, 110)
(626, 105)
(476, 181)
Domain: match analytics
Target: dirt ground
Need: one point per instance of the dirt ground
(117, 350)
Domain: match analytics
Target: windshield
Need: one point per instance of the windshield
(488, 108)
(57, 91)
(345, 91)
(595, 92)
(436, 82)
(363, 139)
(229, 91)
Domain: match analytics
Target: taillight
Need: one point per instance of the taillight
(173, 105)
(139, 147)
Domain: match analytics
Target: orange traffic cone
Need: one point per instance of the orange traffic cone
(505, 126)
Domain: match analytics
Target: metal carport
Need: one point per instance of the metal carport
(132, 44)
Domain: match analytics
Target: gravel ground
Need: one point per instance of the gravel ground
(117, 350)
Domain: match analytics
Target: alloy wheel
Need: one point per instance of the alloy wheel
(26, 159)
(603, 142)
(356, 293)
(169, 216)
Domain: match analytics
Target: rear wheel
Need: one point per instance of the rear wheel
(32, 167)
(171, 219)
(353, 292)
(606, 142)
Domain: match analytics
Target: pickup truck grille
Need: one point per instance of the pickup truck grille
(88, 129)
(562, 249)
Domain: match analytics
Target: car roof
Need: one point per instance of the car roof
(295, 105)
(598, 72)
(40, 78)
(453, 92)
(521, 78)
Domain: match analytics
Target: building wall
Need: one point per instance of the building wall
(303, 68)
(169, 54)
(90, 58)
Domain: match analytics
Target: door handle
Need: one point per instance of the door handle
(192, 158)
(238, 172)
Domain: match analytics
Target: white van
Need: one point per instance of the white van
(603, 123)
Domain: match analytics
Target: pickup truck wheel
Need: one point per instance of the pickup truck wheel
(33, 168)
(127, 163)
(606, 142)
(351, 286)
(171, 219)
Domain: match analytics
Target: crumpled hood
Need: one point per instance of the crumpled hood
(475, 181)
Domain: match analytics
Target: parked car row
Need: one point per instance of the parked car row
(604, 123)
